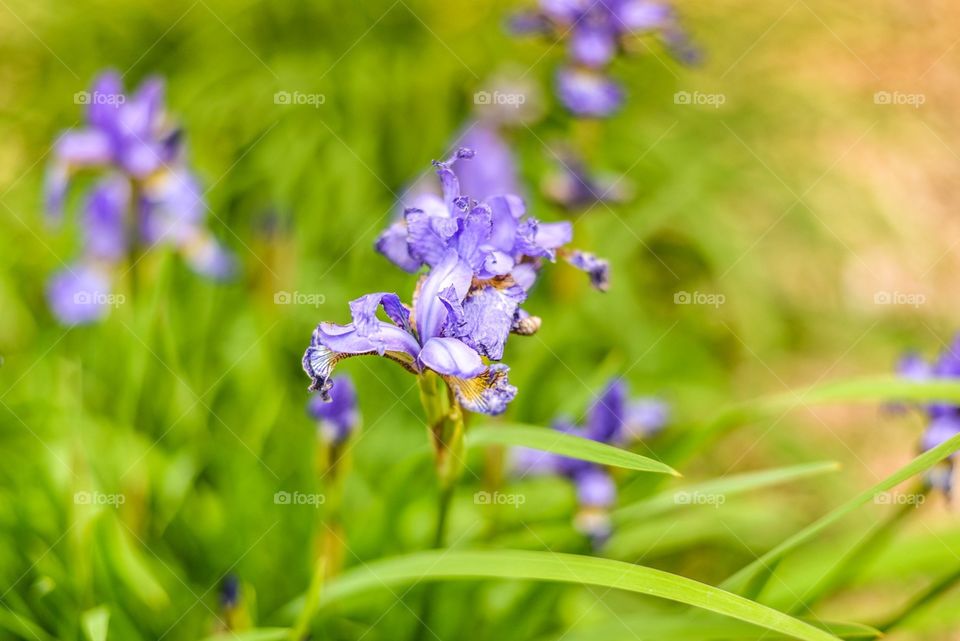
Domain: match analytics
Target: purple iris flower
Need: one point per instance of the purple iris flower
(615, 419)
(430, 337)
(501, 246)
(944, 418)
(339, 417)
(596, 32)
(145, 193)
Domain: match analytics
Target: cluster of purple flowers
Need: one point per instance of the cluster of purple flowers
(614, 419)
(482, 258)
(597, 31)
(944, 418)
(144, 193)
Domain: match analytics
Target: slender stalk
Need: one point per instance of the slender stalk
(921, 600)
(299, 632)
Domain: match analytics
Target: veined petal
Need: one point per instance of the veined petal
(451, 356)
(428, 235)
(489, 313)
(364, 312)
(488, 393)
(332, 343)
(429, 311)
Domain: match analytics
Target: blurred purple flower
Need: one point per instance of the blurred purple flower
(339, 417)
(145, 193)
(614, 419)
(596, 32)
(944, 418)
(79, 294)
(433, 341)
(572, 186)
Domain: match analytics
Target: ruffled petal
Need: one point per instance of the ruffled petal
(429, 311)
(452, 357)
(363, 311)
(473, 236)
(488, 393)
(332, 343)
(105, 218)
(596, 268)
(489, 313)
(429, 236)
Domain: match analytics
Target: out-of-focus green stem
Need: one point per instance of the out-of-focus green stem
(921, 600)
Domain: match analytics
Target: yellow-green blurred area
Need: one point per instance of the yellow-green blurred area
(815, 202)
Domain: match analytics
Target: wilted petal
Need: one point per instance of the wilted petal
(429, 311)
(488, 393)
(105, 218)
(588, 93)
(79, 294)
(452, 357)
(332, 343)
(597, 268)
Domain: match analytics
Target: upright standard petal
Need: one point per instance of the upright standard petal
(429, 311)
(331, 343)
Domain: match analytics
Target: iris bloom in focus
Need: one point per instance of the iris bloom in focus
(944, 418)
(144, 194)
(339, 418)
(502, 248)
(597, 31)
(435, 336)
(614, 419)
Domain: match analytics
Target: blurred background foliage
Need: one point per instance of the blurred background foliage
(799, 200)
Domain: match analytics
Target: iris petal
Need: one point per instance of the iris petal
(429, 310)
(451, 356)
